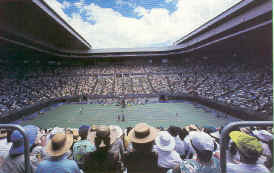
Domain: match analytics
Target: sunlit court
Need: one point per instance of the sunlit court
(155, 114)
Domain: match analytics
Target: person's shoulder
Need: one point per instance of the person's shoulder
(44, 163)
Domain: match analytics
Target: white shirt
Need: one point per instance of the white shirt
(181, 147)
(246, 168)
(4, 146)
(167, 159)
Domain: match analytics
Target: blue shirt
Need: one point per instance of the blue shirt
(80, 148)
(193, 166)
(61, 165)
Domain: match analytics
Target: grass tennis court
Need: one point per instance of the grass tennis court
(155, 114)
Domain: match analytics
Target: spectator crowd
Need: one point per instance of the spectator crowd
(239, 84)
(143, 148)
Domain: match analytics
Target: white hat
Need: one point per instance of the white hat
(263, 135)
(202, 141)
(165, 141)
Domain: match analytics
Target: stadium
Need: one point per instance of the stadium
(202, 102)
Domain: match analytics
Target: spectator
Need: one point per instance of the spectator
(4, 144)
(109, 150)
(15, 161)
(82, 147)
(168, 158)
(142, 159)
(249, 149)
(56, 149)
(265, 137)
(181, 146)
(37, 151)
(205, 161)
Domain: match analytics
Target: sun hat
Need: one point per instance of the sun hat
(115, 133)
(59, 144)
(142, 133)
(249, 145)
(263, 135)
(17, 139)
(165, 141)
(202, 141)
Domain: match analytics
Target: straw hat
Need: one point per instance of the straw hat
(165, 141)
(142, 133)
(59, 144)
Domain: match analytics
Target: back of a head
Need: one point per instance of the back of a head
(83, 131)
(173, 130)
(203, 145)
(143, 147)
(204, 155)
(182, 133)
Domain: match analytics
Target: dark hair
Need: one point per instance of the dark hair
(83, 134)
(233, 149)
(98, 141)
(173, 130)
(251, 159)
(128, 129)
(145, 147)
(270, 146)
(204, 155)
(182, 133)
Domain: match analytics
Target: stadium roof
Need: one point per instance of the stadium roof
(33, 24)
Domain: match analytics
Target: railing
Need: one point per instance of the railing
(227, 129)
(224, 139)
(26, 143)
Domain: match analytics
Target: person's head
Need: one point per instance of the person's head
(107, 135)
(164, 141)
(102, 138)
(203, 144)
(263, 135)
(59, 144)
(128, 129)
(182, 133)
(17, 139)
(43, 140)
(3, 133)
(173, 130)
(248, 146)
(83, 131)
(142, 137)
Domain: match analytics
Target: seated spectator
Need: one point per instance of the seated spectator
(56, 149)
(4, 144)
(37, 151)
(249, 149)
(109, 151)
(82, 147)
(14, 161)
(127, 143)
(142, 159)
(265, 137)
(204, 146)
(168, 158)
